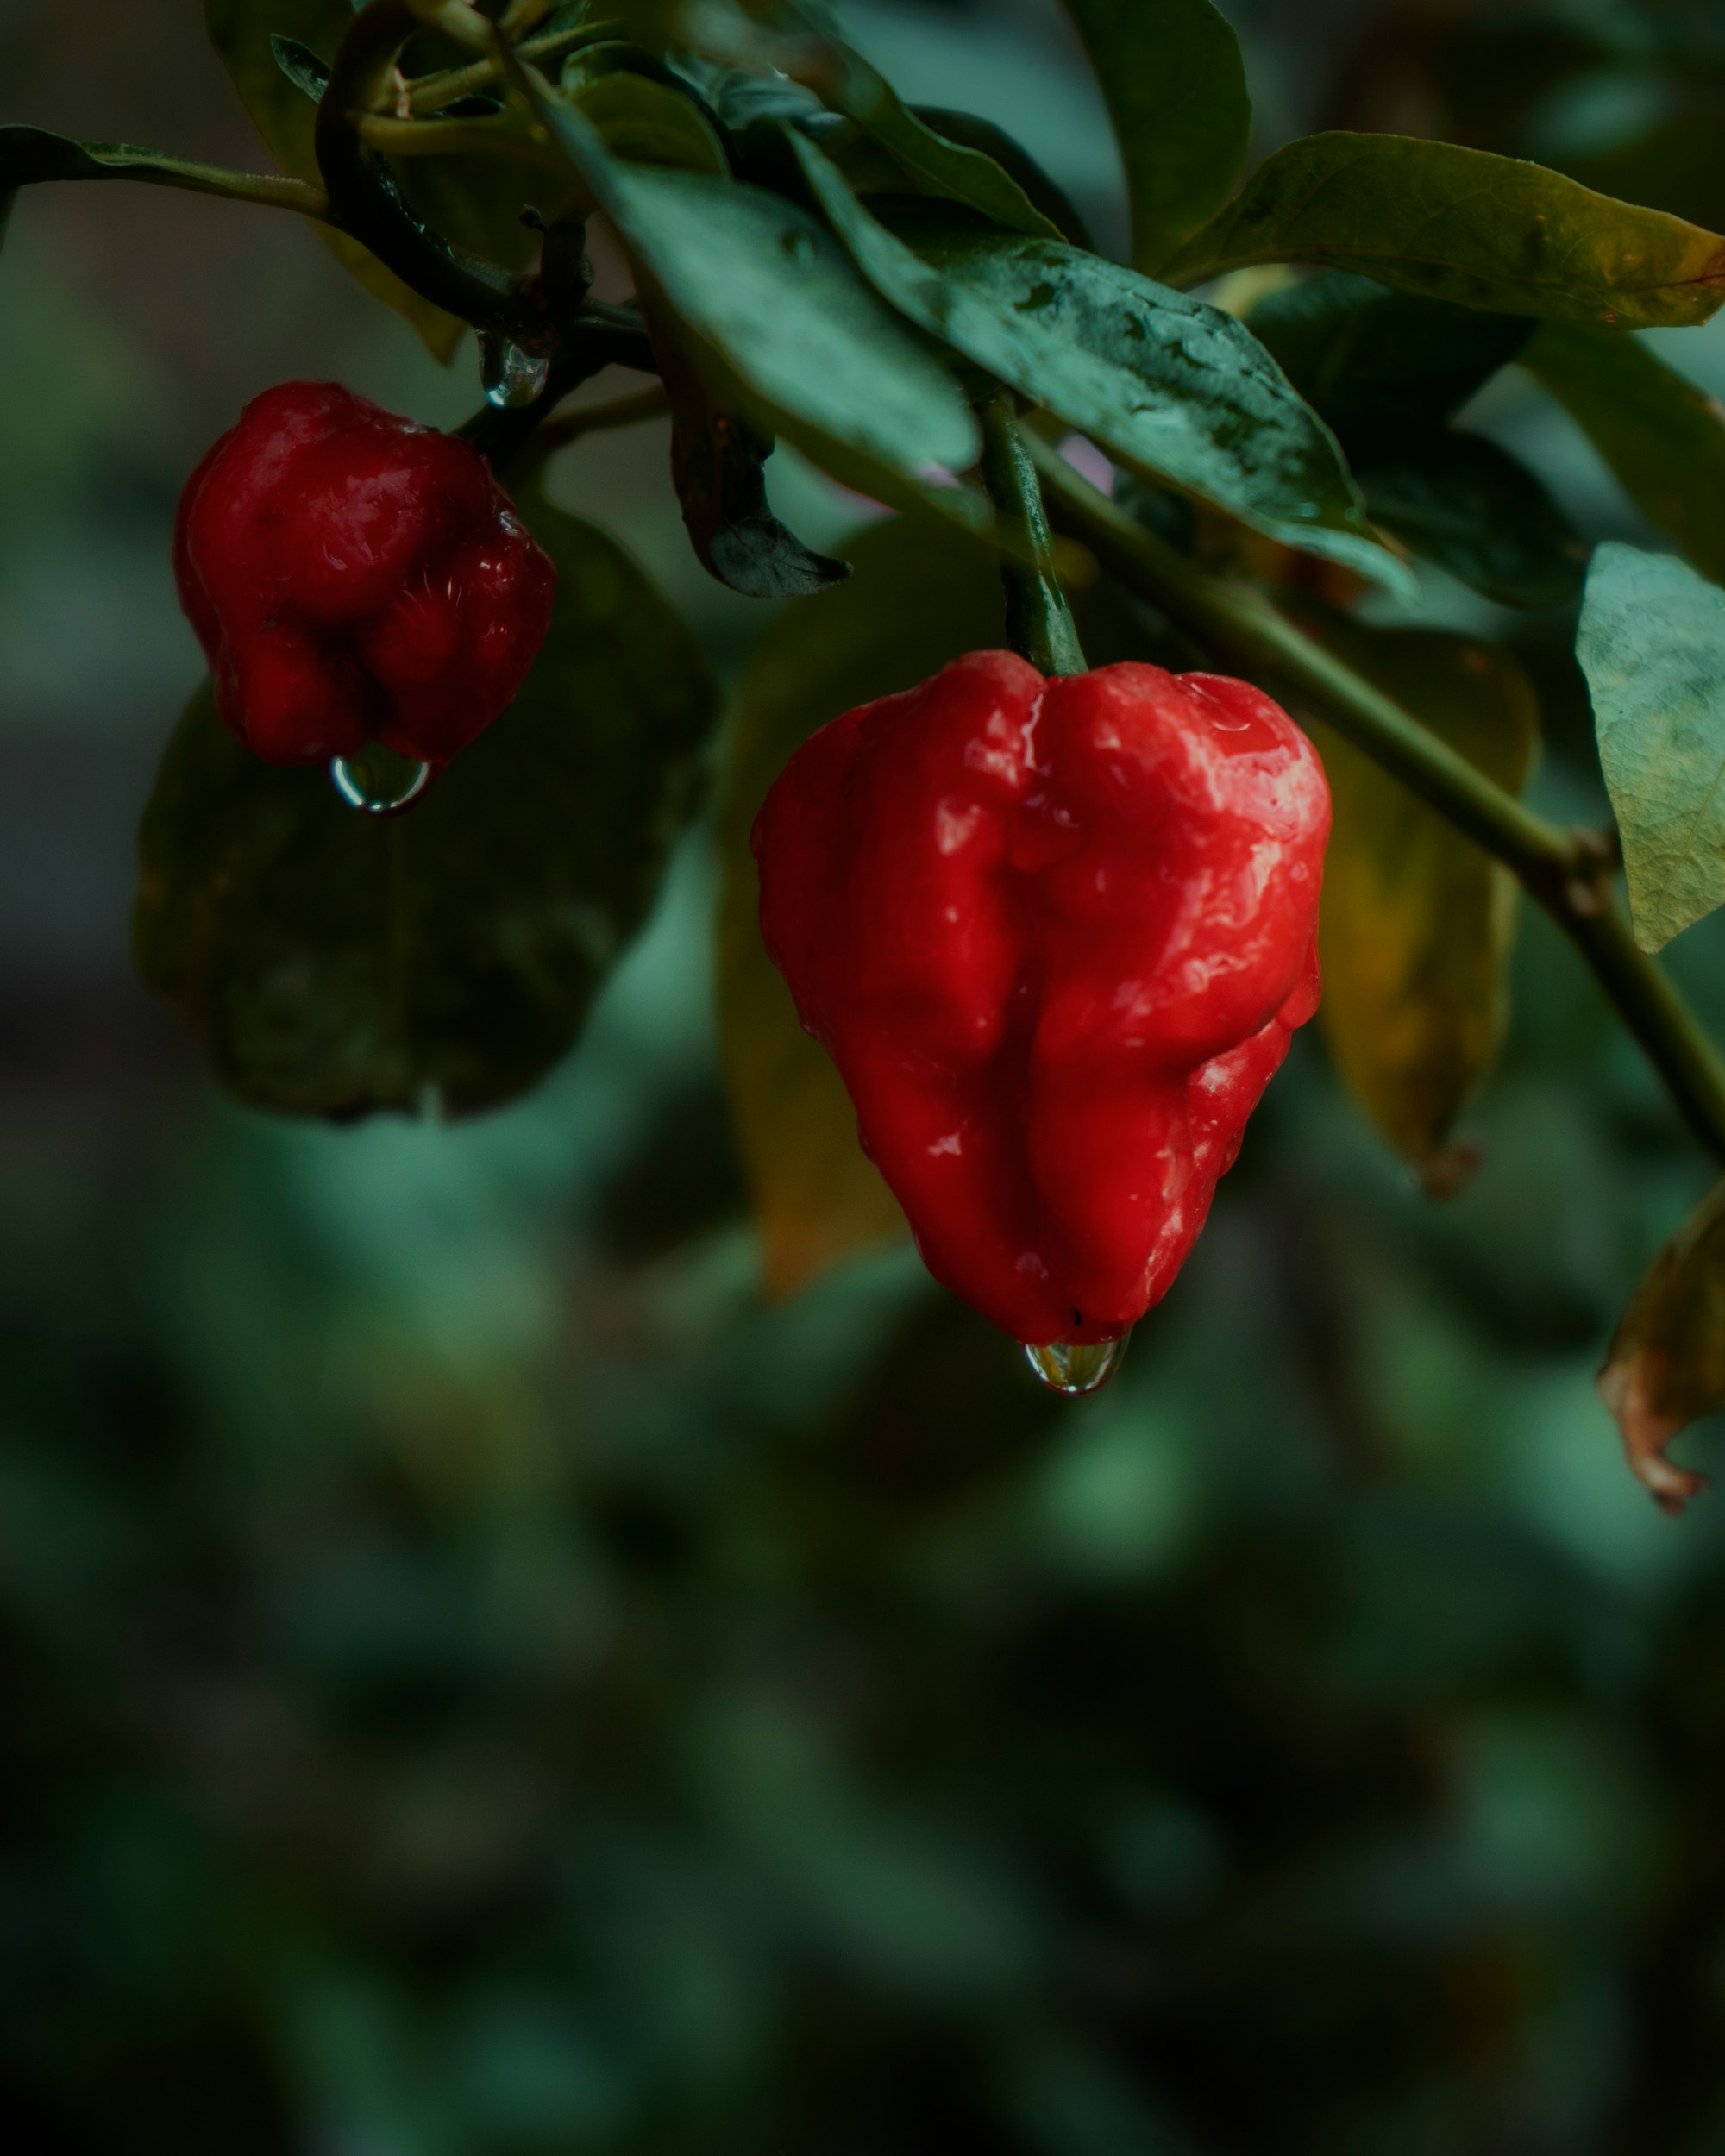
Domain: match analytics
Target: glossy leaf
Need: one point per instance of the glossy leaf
(1153, 376)
(1460, 501)
(718, 465)
(1663, 437)
(1171, 73)
(934, 164)
(918, 596)
(786, 331)
(1374, 363)
(334, 964)
(1666, 1366)
(1417, 922)
(1652, 644)
(1464, 225)
(241, 32)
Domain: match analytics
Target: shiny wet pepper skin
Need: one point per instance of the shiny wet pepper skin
(354, 577)
(1056, 935)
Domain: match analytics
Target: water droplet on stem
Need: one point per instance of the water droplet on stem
(1086, 1368)
(378, 782)
(513, 377)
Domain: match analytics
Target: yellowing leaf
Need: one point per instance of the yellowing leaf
(1668, 1361)
(918, 596)
(1417, 922)
(1464, 225)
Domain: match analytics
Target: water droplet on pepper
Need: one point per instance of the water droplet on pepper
(378, 782)
(1085, 1367)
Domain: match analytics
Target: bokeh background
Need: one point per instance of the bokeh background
(476, 1681)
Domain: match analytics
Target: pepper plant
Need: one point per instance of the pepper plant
(907, 300)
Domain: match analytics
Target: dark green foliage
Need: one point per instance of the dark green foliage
(1388, 370)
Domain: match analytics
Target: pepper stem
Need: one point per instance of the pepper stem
(1039, 624)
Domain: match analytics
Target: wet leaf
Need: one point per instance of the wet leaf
(1460, 502)
(785, 330)
(1416, 926)
(1171, 73)
(1663, 436)
(1176, 387)
(919, 595)
(1652, 644)
(1464, 225)
(1666, 1366)
(334, 964)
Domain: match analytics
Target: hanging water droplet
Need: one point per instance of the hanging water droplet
(1083, 1368)
(513, 377)
(378, 782)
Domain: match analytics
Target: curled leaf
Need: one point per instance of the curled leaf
(1668, 1361)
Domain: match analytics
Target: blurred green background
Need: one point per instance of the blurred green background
(475, 1682)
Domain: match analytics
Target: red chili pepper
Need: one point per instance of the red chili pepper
(1056, 935)
(354, 577)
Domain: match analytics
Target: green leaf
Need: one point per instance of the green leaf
(301, 65)
(1416, 924)
(1374, 363)
(920, 594)
(1652, 644)
(1460, 501)
(242, 33)
(786, 331)
(1171, 73)
(1171, 385)
(649, 123)
(1464, 225)
(333, 963)
(718, 463)
(937, 166)
(1663, 437)
(31, 154)
(1667, 1365)
(975, 133)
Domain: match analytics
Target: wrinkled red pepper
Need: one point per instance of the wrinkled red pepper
(1056, 935)
(354, 577)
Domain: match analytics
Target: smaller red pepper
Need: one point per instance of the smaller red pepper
(1056, 935)
(353, 577)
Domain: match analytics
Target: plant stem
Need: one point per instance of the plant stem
(363, 197)
(1567, 872)
(457, 138)
(430, 93)
(1039, 623)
